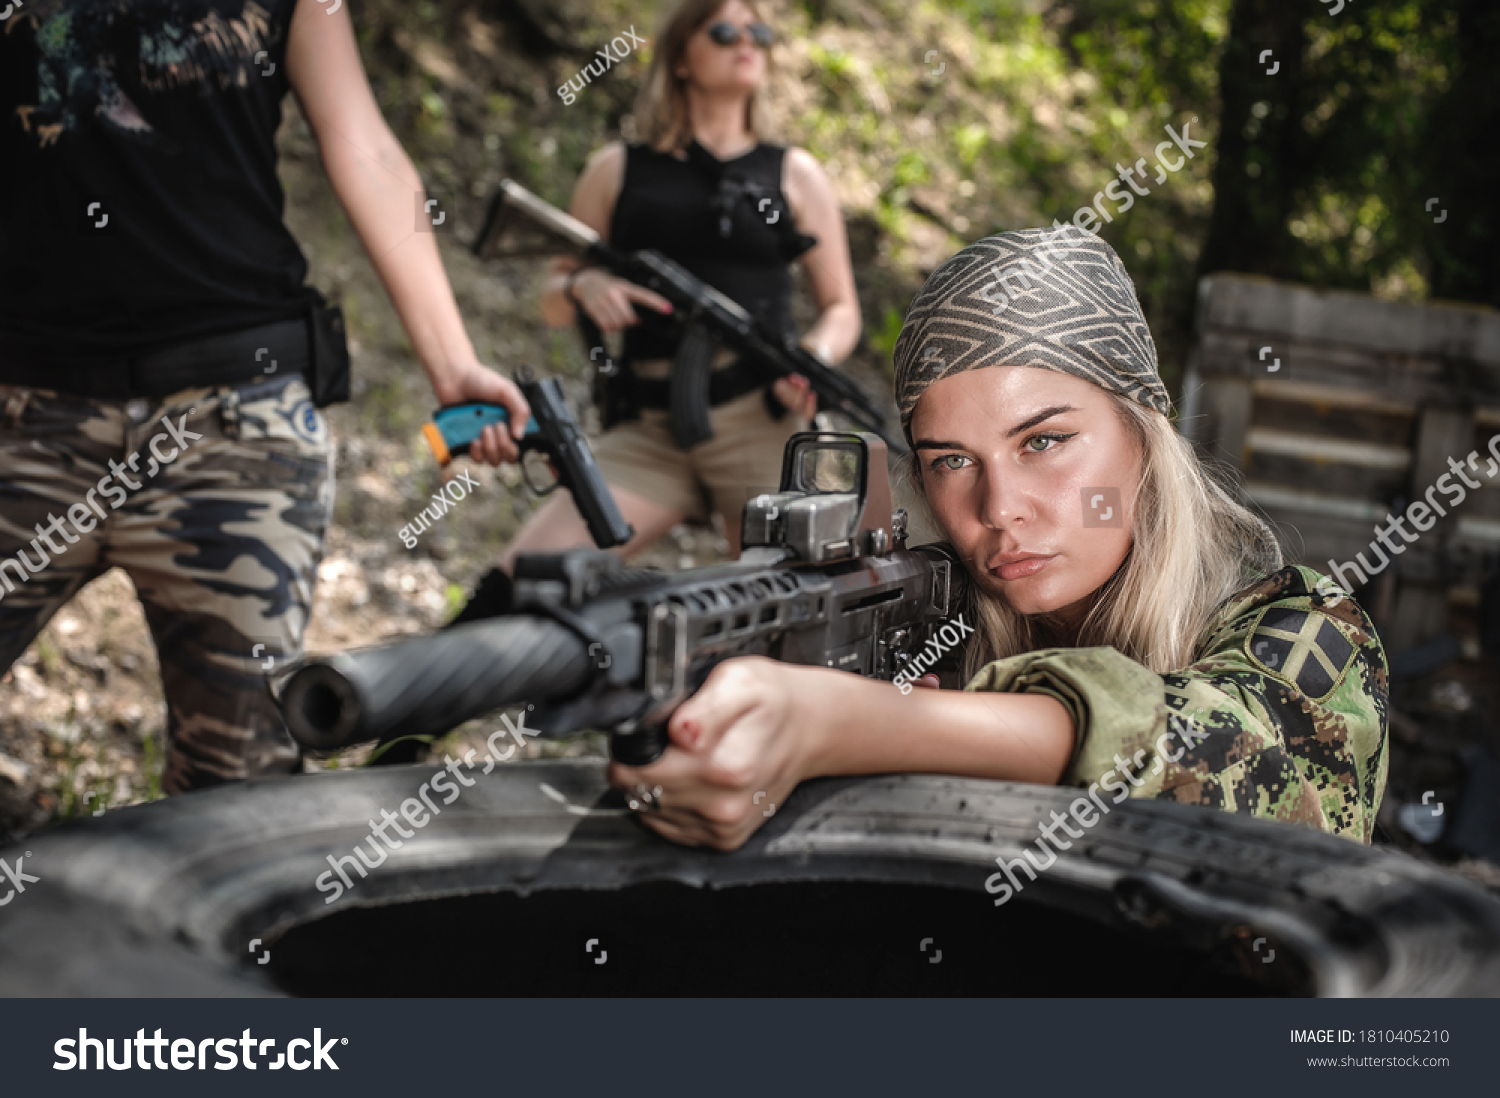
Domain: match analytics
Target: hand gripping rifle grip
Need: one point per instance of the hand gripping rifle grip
(427, 685)
(641, 747)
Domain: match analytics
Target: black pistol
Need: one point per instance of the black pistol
(552, 431)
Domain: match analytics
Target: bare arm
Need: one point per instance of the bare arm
(815, 204)
(381, 192)
(1011, 737)
(608, 299)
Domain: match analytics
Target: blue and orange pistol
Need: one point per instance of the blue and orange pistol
(552, 431)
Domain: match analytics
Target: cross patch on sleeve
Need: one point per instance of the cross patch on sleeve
(1301, 648)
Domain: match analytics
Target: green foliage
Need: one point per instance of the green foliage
(883, 337)
(75, 800)
(48, 654)
(1325, 174)
(153, 760)
(943, 121)
(454, 597)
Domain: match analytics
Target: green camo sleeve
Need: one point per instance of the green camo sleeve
(1282, 714)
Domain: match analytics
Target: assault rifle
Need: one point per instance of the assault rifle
(709, 319)
(825, 579)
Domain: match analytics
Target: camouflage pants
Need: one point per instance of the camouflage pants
(215, 502)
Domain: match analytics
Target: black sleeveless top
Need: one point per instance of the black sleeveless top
(161, 116)
(726, 221)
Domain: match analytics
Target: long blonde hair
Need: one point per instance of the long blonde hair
(661, 109)
(1193, 545)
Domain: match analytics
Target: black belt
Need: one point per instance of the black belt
(268, 351)
(734, 380)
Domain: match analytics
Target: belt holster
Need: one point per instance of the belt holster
(328, 353)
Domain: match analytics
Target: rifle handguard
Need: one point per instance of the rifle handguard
(427, 685)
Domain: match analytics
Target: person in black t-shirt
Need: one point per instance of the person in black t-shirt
(155, 330)
(702, 122)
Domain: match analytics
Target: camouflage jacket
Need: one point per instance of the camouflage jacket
(1281, 714)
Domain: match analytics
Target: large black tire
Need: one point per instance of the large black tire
(854, 886)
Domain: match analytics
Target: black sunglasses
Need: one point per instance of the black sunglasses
(725, 33)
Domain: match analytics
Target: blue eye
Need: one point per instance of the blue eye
(944, 463)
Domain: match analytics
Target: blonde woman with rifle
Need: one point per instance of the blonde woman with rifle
(1135, 631)
(704, 188)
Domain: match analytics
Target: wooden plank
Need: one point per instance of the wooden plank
(1398, 378)
(1335, 396)
(1384, 428)
(1421, 614)
(1442, 433)
(1369, 403)
(1224, 405)
(1370, 455)
(1317, 528)
(1290, 312)
(1422, 602)
(1325, 478)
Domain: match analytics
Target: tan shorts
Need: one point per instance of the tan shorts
(740, 462)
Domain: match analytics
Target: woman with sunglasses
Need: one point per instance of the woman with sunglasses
(703, 188)
(1135, 633)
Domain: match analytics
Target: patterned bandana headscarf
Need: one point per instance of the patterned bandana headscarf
(1060, 300)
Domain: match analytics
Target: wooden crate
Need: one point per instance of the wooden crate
(1339, 409)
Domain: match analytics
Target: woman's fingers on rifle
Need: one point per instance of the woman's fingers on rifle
(611, 310)
(646, 297)
(687, 806)
(669, 828)
(730, 692)
(728, 765)
(796, 395)
(691, 829)
(607, 299)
